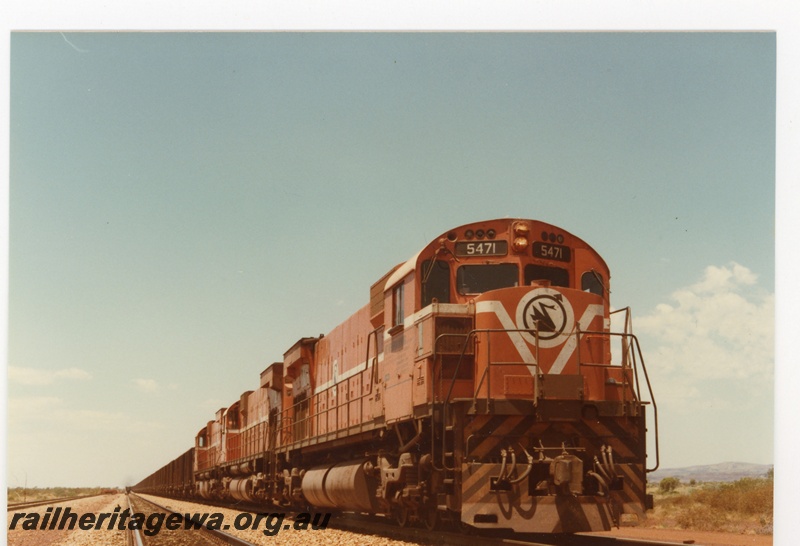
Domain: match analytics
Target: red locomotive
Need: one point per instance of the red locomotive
(476, 386)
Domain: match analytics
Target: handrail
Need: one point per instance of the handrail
(289, 415)
(628, 361)
(446, 401)
(627, 355)
(628, 350)
(653, 400)
(466, 337)
(474, 332)
(635, 345)
(287, 419)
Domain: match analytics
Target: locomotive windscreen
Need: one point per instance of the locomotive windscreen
(477, 279)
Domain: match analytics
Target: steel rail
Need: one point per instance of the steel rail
(386, 527)
(222, 535)
(134, 535)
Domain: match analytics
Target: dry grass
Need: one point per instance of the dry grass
(743, 506)
(31, 494)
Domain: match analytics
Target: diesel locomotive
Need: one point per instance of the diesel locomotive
(482, 384)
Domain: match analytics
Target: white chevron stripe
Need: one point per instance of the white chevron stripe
(516, 338)
(569, 347)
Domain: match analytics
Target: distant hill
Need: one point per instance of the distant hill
(722, 472)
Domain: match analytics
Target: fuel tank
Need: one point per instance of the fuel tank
(346, 486)
(242, 489)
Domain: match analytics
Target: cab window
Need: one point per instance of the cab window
(476, 279)
(435, 282)
(592, 281)
(233, 420)
(556, 275)
(398, 305)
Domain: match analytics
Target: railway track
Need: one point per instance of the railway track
(186, 532)
(456, 538)
(381, 527)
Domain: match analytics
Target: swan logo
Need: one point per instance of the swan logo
(548, 313)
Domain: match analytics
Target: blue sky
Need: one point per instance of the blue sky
(184, 207)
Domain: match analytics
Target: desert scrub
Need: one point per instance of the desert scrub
(668, 485)
(741, 506)
(750, 496)
(30, 494)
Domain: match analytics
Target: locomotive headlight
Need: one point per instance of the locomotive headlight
(521, 230)
(520, 244)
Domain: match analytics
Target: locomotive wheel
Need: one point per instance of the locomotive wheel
(430, 520)
(401, 515)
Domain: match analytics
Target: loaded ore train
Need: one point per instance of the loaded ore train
(482, 384)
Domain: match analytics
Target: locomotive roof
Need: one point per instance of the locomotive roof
(410, 265)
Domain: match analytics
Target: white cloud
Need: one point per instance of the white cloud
(147, 385)
(22, 411)
(34, 376)
(53, 409)
(53, 443)
(722, 279)
(32, 405)
(719, 328)
(710, 358)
